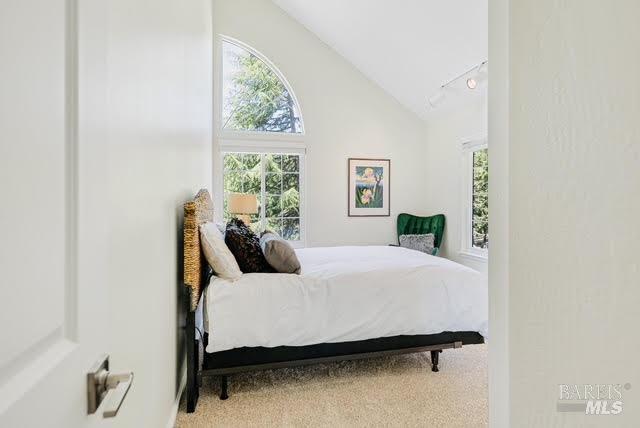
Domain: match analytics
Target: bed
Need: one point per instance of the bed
(347, 303)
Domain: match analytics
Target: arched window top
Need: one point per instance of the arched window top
(255, 95)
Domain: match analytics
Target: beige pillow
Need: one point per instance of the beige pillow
(279, 253)
(217, 253)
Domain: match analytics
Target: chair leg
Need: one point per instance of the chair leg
(434, 360)
(223, 387)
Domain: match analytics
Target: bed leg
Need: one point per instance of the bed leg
(434, 360)
(223, 387)
(193, 375)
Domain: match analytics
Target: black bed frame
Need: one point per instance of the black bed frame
(196, 276)
(225, 363)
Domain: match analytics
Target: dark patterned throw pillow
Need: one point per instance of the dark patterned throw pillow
(245, 246)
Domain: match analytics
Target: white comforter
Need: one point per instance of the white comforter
(346, 294)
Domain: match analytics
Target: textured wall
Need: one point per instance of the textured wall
(573, 203)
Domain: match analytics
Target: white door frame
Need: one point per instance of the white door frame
(498, 134)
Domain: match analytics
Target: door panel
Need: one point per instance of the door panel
(53, 301)
(33, 179)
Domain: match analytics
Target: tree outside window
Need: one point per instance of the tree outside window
(480, 199)
(255, 99)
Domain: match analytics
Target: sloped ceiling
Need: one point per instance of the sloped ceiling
(408, 47)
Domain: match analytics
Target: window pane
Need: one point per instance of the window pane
(274, 206)
(480, 199)
(273, 163)
(291, 229)
(290, 181)
(233, 161)
(233, 182)
(252, 183)
(291, 203)
(480, 206)
(251, 161)
(480, 171)
(256, 224)
(273, 184)
(480, 234)
(254, 98)
(275, 225)
(290, 163)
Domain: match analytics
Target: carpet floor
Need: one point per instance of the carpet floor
(391, 391)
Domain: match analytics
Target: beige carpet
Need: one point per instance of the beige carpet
(392, 391)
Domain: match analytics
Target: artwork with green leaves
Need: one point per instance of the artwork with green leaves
(369, 187)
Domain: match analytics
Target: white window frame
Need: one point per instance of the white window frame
(218, 111)
(227, 141)
(466, 246)
(226, 148)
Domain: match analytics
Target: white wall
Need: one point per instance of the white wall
(459, 119)
(345, 115)
(573, 205)
(159, 78)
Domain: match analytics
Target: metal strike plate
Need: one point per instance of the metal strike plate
(106, 387)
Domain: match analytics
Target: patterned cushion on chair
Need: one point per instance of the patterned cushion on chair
(422, 243)
(414, 225)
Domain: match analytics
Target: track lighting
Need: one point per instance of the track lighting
(473, 80)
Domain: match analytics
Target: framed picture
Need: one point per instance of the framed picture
(369, 187)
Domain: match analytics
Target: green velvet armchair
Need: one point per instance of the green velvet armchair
(413, 225)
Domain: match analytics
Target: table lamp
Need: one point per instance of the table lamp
(242, 205)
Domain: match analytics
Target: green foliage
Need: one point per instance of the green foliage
(481, 198)
(374, 199)
(258, 100)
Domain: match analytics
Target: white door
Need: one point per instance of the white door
(53, 296)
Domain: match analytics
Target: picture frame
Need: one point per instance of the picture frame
(369, 193)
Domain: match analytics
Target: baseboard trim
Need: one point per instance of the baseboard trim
(171, 423)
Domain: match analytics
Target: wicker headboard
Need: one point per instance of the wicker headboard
(196, 212)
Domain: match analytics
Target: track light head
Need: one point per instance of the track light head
(472, 83)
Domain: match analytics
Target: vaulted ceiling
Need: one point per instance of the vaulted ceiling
(408, 47)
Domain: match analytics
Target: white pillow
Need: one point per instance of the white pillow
(222, 227)
(217, 253)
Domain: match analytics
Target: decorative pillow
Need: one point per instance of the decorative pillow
(221, 227)
(217, 253)
(422, 243)
(279, 253)
(245, 246)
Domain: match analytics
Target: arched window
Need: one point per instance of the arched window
(260, 141)
(255, 95)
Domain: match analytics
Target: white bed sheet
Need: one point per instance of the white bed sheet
(346, 294)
